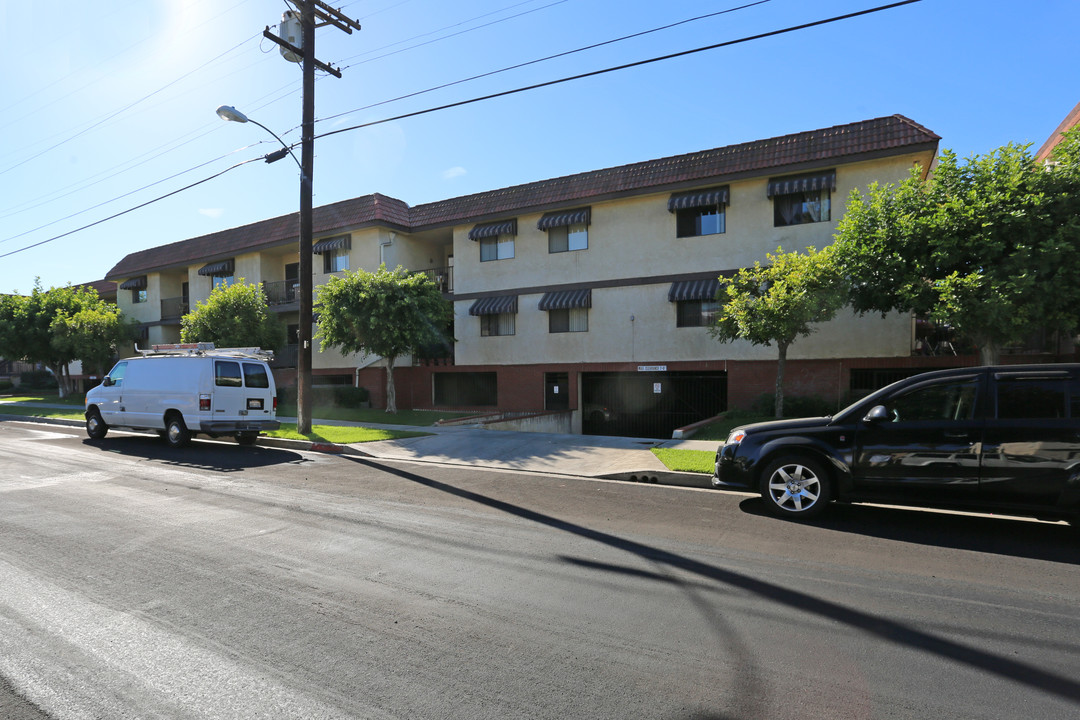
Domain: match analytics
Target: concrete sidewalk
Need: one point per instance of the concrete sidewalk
(597, 456)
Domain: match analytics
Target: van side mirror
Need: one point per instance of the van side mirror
(108, 381)
(878, 413)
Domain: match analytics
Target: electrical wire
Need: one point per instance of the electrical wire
(549, 83)
(132, 209)
(540, 60)
(616, 68)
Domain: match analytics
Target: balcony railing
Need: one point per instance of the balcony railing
(174, 308)
(443, 277)
(282, 292)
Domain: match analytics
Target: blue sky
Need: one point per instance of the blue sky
(109, 105)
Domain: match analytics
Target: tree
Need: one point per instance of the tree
(58, 326)
(234, 316)
(386, 313)
(779, 302)
(990, 246)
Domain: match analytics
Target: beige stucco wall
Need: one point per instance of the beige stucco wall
(651, 336)
(635, 238)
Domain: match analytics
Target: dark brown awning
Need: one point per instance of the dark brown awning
(135, 283)
(566, 300)
(802, 183)
(221, 268)
(341, 242)
(698, 198)
(693, 290)
(494, 229)
(495, 305)
(565, 217)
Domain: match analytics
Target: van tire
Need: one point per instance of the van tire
(95, 426)
(247, 438)
(176, 432)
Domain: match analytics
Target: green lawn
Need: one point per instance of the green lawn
(73, 414)
(732, 419)
(340, 434)
(420, 418)
(51, 398)
(695, 461)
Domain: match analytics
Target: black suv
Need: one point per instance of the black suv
(1001, 438)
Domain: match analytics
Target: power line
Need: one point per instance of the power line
(129, 210)
(638, 63)
(625, 66)
(544, 59)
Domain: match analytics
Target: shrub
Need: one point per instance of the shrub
(37, 380)
(5, 386)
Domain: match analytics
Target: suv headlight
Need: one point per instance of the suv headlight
(735, 437)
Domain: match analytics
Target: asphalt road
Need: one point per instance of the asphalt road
(228, 582)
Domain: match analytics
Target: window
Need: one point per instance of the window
(255, 376)
(227, 374)
(696, 221)
(943, 401)
(498, 324)
(138, 296)
(1031, 399)
(568, 320)
(801, 199)
(801, 208)
(498, 247)
(336, 260)
(221, 281)
(568, 237)
(695, 313)
(292, 335)
(116, 375)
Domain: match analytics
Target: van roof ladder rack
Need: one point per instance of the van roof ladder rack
(205, 349)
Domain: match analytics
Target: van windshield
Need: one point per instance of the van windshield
(255, 376)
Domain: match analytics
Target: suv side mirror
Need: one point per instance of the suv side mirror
(878, 413)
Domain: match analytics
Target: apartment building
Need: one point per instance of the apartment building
(588, 295)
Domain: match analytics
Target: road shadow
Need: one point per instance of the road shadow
(1002, 535)
(883, 628)
(198, 455)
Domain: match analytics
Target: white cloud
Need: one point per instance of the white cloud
(212, 212)
(454, 172)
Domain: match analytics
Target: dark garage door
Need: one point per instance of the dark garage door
(643, 404)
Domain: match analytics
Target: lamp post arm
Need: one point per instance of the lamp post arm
(256, 122)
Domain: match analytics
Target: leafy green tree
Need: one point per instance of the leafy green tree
(58, 326)
(990, 245)
(234, 316)
(386, 313)
(93, 334)
(779, 302)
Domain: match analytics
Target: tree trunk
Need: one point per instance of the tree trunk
(989, 352)
(779, 412)
(391, 395)
(61, 380)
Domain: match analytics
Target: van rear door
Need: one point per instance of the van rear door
(229, 401)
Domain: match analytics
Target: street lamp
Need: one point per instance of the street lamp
(228, 112)
(303, 359)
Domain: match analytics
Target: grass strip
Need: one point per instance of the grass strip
(340, 434)
(695, 461)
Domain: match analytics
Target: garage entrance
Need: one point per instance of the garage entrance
(649, 404)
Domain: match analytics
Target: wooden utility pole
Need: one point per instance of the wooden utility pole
(312, 14)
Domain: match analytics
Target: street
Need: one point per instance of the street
(219, 581)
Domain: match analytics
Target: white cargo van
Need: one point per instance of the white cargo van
(184, 389)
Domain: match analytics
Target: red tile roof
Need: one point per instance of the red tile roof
(789, 153)
(1071, 120)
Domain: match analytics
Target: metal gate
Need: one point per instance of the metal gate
(649, 404)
